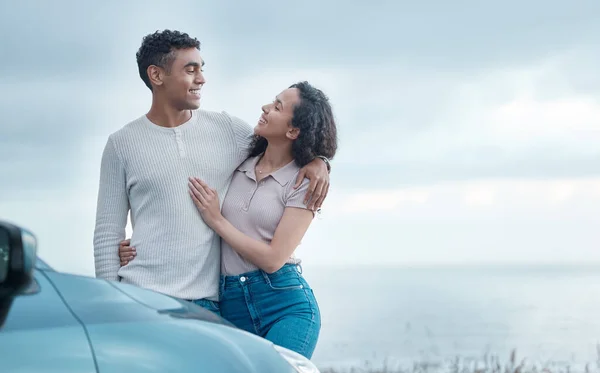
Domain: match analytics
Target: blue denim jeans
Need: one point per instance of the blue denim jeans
(210, 305)
(279, 307)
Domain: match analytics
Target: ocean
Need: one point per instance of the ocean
(400, 316)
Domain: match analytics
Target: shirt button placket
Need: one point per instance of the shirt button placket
(180, 147)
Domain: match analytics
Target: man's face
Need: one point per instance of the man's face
(183, 84)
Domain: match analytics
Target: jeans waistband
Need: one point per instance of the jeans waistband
(258, 275)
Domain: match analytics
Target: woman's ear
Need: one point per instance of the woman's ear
(293, 133)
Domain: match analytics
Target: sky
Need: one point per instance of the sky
(469, 130)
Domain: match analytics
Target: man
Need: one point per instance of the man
(145, 169)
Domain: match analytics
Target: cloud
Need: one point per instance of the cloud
(525, 122)
(482, 221)
(458, 197)
(576, 119)
(479, 196)
(432, 35)
(46, 133)
(383, 200)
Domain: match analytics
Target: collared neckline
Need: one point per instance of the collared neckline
(283, 175)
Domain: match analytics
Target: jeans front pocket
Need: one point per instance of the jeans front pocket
(210, 305)
(289, 280)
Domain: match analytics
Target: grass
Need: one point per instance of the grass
(488, 364)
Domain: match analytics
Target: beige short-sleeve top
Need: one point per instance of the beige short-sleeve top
(255, 208)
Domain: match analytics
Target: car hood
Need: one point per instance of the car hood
(100, 301)
(137, 330)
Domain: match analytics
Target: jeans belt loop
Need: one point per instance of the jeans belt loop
(265, 276)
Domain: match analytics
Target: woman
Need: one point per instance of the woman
(263, 219)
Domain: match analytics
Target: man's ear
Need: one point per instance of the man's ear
(155, 74)
(293, 133)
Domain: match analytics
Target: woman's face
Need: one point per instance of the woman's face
(276, 121)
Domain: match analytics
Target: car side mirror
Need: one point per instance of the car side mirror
(18, 253)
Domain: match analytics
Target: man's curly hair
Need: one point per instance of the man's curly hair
(318, 132)
(159, 49)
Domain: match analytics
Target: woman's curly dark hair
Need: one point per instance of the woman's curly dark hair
(159, 49)
(318, 132)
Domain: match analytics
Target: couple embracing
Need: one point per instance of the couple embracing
(217, 207)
